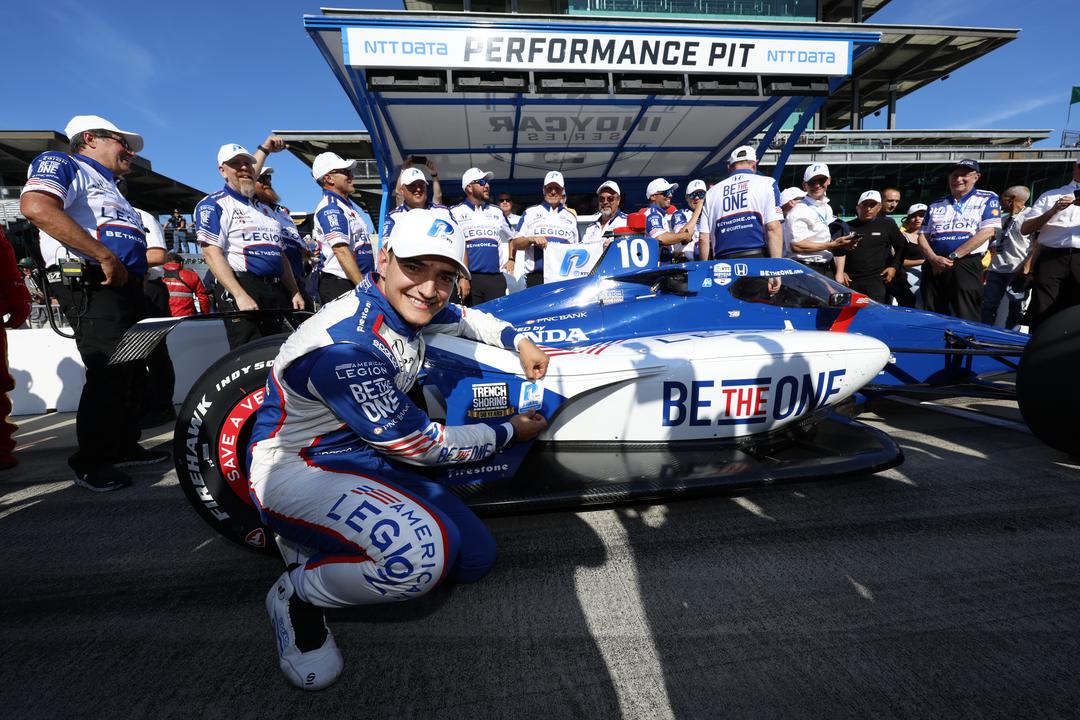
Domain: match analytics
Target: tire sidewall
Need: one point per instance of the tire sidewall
(222, 403)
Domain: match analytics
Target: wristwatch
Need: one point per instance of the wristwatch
(952, 256)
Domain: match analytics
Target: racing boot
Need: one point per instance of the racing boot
(306, 650)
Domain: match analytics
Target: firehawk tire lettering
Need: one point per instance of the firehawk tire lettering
(222, 404)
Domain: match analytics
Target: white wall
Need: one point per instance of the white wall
(49, 374)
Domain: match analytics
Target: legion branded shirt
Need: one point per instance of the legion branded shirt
(90, 197)
(557, 224)
(951, 222)
(250, 239)
(339, 222)
(486, 232)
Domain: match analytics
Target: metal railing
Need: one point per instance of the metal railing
(39, 317)
(715, 8)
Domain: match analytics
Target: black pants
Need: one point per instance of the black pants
(738, 254)
(107, 423)
(486, 286)
(956, 291)
(536, 277)
(901, 290)
(872, 286)
(158, 376)
(267, 295)
(1056, 283)
(332, 287)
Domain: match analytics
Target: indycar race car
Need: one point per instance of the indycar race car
(664, 381)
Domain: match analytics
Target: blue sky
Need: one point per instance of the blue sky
(190, 76)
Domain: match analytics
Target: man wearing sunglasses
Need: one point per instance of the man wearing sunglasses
(550, 221)
(243, 248)
(342, 229)
(506, 204)
(87, 224)
(487, 235)
(608, 200)
(741, 216)
(680, 219)
(812, 243)
(658, 218)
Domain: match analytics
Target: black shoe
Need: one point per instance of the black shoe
(138, 455)
(103, 479)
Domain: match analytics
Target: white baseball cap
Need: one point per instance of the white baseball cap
(659, 185)
(411, 175)
(741, 154)
(266, 171)
(869, 195)
(791, 193)
(610, 185)
(328, 162)
(554, 177)
(695, 185)
(423, 232)
(816, 170)
(228, 151)
(917, 207)
(472, 175)
(82, 123)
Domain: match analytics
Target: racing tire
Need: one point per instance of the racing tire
(1048, 381)
(211, 437)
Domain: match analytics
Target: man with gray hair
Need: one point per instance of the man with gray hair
(1009, 250)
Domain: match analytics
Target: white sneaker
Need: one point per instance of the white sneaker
(297, 625)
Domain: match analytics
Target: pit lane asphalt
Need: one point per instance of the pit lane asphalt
(947, 587)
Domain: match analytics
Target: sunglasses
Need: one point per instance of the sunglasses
(482, 182)
(502, 200)
(346, 173)
(814, 182)
(264, 180)
(553, 190)
(696, 195)
(118, 138)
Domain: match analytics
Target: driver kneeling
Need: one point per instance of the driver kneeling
(333, 445)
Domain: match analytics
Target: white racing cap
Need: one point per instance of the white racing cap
(554, 177)
(411, 175)
(869, 195)
(742, 154)
(82, 123)
(694, 185)
(228, 151)
(266, 171)
(816, 170)
(917, 207)
(422, 232)
(610, 185)
(659, 185)
(472, 175)
(327, 162)
(791, 193)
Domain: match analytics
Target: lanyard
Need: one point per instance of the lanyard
(824, 217)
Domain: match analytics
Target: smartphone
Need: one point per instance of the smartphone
(419, 160)
(856, 237)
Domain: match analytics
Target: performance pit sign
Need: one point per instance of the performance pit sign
(494, 48)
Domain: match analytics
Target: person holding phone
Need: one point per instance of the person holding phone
(810, 240)
(1056, 269)
(877, 256)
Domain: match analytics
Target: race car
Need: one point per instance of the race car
(664, 381)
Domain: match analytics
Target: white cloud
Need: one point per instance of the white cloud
(1013, 109)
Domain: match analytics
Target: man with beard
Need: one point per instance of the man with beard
(88, 226)
(342, 229)
(243, 248)
(609, 198)
(487, 235)
(293, 245)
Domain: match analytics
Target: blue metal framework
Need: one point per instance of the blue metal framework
(765, 114)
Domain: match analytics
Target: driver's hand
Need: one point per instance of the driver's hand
(534, 361)
(528, 425)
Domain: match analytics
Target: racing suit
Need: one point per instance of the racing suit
(333, 447)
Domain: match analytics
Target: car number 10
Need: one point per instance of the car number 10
(635, 252)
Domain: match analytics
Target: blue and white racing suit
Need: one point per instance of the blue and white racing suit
(334, 449)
